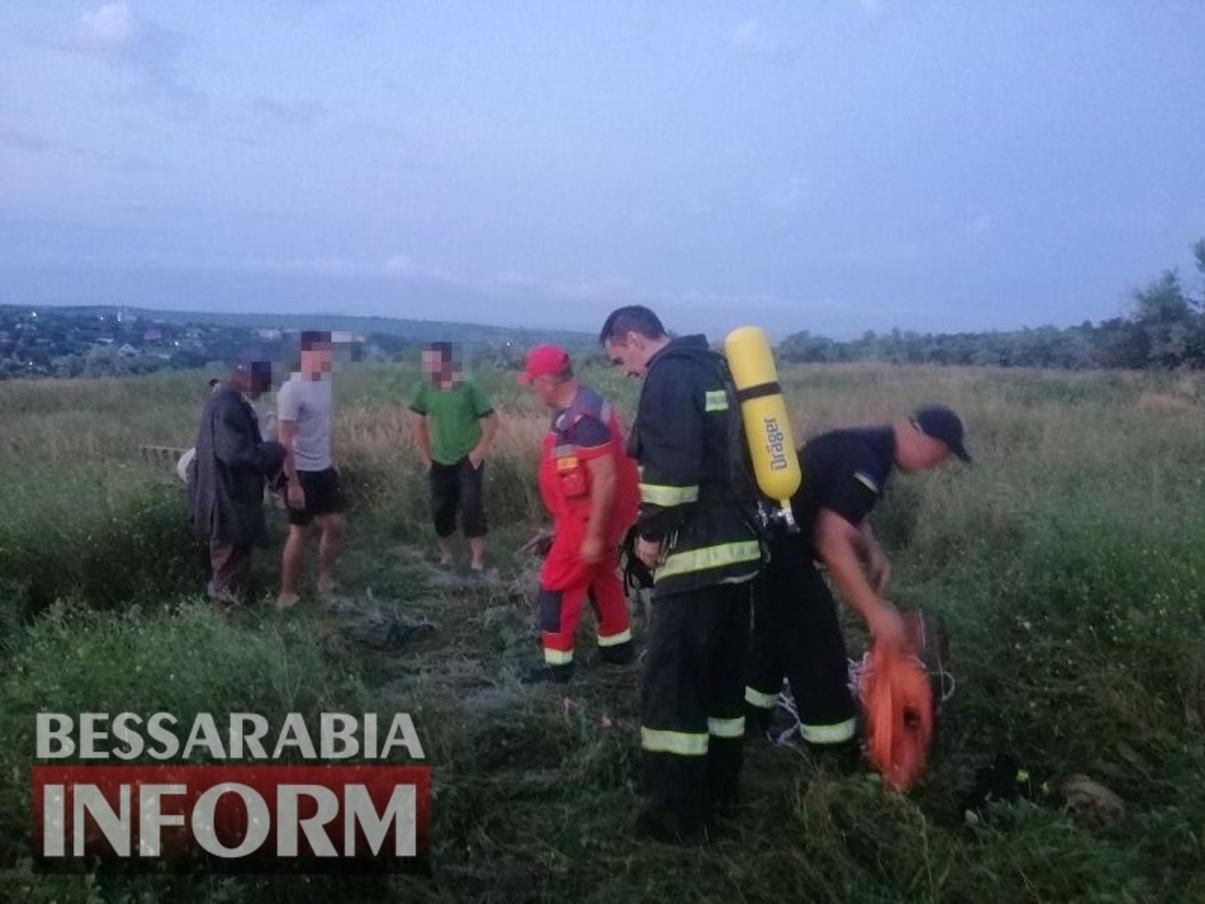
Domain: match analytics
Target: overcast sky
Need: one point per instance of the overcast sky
(833, 165)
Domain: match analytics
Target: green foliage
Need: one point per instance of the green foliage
(183, 659)
(1162, 301)
(110, 549)
(1068, 564)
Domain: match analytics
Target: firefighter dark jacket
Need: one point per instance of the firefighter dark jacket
(688, 440)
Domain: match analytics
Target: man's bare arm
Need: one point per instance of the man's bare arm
(838, 543)
(294, 493)
(875, 559)
(489, 429)
(288, 436)
(422, 439)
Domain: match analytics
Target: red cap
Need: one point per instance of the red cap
(543, 360)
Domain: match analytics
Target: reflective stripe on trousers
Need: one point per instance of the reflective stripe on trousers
(756, 698)
(615, 639)
(838, 733)
(727, 728)
(682, 743)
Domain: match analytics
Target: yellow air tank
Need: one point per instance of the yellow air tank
(764, 413)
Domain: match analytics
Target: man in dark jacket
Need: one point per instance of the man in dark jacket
(694, 532)
(226, 479)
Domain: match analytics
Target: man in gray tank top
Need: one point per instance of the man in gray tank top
(306, 411)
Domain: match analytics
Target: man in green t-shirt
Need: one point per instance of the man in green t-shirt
(453, 424)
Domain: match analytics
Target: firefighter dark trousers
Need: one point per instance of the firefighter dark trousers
(561, 609)
(692, 726)
(796, 634)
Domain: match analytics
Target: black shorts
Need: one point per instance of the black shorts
(322, 496)
(456, 489)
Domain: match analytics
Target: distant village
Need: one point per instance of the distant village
(115, 341)
(75, 342)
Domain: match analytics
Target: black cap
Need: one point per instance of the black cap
(943, 424)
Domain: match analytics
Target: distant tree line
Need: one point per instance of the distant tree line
(1165, 329)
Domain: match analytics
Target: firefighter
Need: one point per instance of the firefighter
(795, 629)
(589, 487)
(693, 530)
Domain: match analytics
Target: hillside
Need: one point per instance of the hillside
(113, 341)
(412, 330)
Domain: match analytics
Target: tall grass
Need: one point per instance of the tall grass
(1068, 562)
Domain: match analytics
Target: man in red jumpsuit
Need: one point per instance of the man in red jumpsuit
(591, 489)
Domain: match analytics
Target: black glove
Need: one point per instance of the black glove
(636, 575)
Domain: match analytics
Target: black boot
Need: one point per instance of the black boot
(757, 723)
(619, 654)
(844, 758)
(548, 674)
(659, 824)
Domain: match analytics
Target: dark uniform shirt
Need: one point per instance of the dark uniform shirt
(588, 431)
(844, 471)
(687, 426)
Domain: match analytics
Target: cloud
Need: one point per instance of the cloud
(24, 141)
(302, 113)
(753, 38)
(139, 47)
(980, 226)
(790, 195)
(317, 266)
(406, 267)
(610, 291)
(870, 9)
(300, 5)
(615, 291)
(513, 280)
(396, 266)
(39, 144)
(112, 24)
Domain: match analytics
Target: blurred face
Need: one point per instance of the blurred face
(631, 353)
(316, 361)
(545, 389)
(440, 368)
(260, 378)
(431, 362)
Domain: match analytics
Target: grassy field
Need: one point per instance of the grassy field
(1069, 564)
